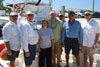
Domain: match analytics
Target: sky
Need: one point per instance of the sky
(79, 4)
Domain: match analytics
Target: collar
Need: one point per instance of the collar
(54, 21)
(89, 20)
(13, 22)
(73, 21)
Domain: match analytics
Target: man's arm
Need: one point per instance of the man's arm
(6, 36)
(81, 35)
(52, 41)
(24, 38)
(38, 46)
(97, 28)
(96, 41)
(21, 10)
(8, 48)
(63, 35)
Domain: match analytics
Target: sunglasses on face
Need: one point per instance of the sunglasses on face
(44, 23)
(87, 14)
(30, 15)
(14, 16)
(71, 15)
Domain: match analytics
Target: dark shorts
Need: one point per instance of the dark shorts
(14, 55)
(32, 50)
(71, 44)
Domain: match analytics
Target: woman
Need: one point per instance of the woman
(45, 45)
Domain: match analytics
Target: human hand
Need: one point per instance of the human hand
(94, 46)
(27, 54)
(23, 6)
(9, 52)
(39, 49)
(80, 46)
(62, 45)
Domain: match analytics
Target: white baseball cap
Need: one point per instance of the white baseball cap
(88, 12)
(13, 13)
(29, 12)
(52, 12)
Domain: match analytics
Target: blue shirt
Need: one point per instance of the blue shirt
(72, 31)
(45, 37)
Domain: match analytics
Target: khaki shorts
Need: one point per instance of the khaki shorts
(57, 48)
(88, 50)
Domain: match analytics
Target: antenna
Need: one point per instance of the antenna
(13, 5)
(50, 3)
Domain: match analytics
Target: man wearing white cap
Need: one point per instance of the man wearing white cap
(29, 37)
(90, 38)
(11, 38)
(56, 27)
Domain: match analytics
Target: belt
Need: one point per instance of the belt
(71, 38)
(31, 44)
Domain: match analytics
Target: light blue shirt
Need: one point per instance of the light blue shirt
(11, 34)
(63, 21)
(72, 31)
(45, 37)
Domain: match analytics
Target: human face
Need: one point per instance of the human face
(30, 17)
(88, 16)
(63, 18)
(71, 17)
(44, 24)
(53, 16)
(14, 18)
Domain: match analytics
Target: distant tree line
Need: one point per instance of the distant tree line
(2, 7)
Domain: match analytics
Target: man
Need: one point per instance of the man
(72, 37)
(29, 37)
(90, 38)
(56, 27)
(62, 18)
(11, 38)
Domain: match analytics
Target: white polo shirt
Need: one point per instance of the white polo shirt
(11, 33)
(90, 29)
(28, 35)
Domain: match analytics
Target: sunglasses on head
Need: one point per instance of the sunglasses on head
(87, 14)
(14, 16)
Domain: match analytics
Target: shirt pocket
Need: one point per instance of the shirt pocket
(31, 33)
(67, 29)
(76, 29)
(91, 30)
(14, 32)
